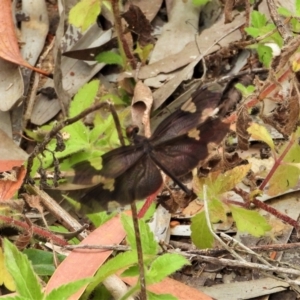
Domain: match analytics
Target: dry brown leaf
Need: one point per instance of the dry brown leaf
(9, 185)
(141, 107)
(242, 124)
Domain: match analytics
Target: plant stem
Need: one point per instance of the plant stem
(143, 295)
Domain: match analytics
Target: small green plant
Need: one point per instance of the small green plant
(85, 13)
(246, 220)
(295, 23)
(286, 165)
(26, 281)
(81, 142)
(245, 90)
(157, 267)
(265, 31)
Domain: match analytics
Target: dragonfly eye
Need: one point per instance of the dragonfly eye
(132, 131)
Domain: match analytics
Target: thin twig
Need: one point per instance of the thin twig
(238, 264)
(101, 247)
(143, 295)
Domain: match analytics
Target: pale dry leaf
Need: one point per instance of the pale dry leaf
(141, 107)
(10, 154)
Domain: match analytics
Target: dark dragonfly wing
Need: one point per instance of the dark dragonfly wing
(138, 182)
(183, 153)
(188, 116)
(114, 164)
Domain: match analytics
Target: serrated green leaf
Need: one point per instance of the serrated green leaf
(18, 265)
(264, 54)
(67, 290)
(285, 178)
(218, 183)
(110, 58)
(216, 210)
(115, 99)
(284, 12)
(286, 175)
(149, 245)
(131, 271)
(42, 261)
(100, 218)
(297, 6)
(84, 98)
(101, 125)
(249, 221)
(84, 13)
(259, 132)
(228, 180)
(295, 25)
(164, 266)
(258, 19)
(201, 236)
(121, 261)
(152, 296)
(254, 32)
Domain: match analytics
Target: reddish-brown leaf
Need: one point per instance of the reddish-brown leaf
(11, 182)
(9, 48)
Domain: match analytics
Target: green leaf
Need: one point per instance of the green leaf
(249, 221)
(259, 132)
(295, 25)
(252, 31)
(21, 270)
(297, 6)
(246, 91)
(149, 245)
(143, 52)
(110, 58)
(258, 20)
(264, 54)
(121, 261)
(152, 296)
(115, 99)
(67, 290)
(164, 266)
(201, 236)
(5, 277)
(100, 218)
(286, 175)
(42, 261)
(228, 180)
(16, 297)
(284, 12)
(200, 2)
(216, 210)
(84, 13)
(131, 271)
(84, 98)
